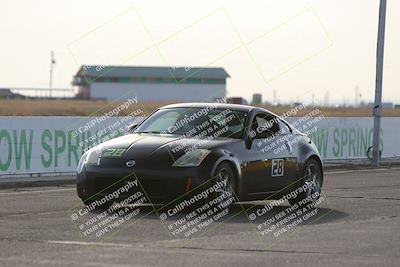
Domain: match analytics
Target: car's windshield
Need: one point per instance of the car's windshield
(195, 122)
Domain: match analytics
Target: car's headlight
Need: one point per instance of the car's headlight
(82, 162)
(93, 157)
(192, 159)
(90, 157)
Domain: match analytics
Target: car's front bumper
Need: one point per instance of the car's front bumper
(160, 184)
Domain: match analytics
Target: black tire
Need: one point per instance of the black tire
(224, 172)
(313, 178)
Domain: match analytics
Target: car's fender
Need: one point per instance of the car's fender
(220, 155)
(308, 151)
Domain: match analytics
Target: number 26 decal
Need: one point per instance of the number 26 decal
(277, 167)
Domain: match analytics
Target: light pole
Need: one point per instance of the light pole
(378, 82)
(52, 62)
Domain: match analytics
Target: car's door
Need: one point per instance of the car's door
(267, 172)
(289, 151)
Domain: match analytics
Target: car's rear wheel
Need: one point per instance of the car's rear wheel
(225, 178)
(312, 182)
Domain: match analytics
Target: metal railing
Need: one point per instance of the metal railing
(43, 92)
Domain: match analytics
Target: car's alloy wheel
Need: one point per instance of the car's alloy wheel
(224, 175)
(312, 180)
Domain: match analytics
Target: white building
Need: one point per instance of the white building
(151, 84)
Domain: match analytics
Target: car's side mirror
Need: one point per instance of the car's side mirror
(132, 127)
(249, 138)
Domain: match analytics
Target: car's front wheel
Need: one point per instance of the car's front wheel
(311, 181)
(225, 180)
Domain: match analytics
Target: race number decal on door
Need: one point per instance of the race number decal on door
(277, 167)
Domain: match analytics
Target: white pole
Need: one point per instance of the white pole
(52, 61)
(378, 82)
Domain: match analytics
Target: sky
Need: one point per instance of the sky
(286, 50)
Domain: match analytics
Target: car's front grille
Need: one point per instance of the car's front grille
(138, 163)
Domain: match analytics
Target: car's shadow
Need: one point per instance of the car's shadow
(242, 213)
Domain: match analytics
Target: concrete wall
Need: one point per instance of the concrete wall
(164, 92)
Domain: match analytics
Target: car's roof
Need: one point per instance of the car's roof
(216, 105)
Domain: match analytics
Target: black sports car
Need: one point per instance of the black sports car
(181, 146)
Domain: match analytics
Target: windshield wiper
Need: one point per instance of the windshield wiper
(153, 132)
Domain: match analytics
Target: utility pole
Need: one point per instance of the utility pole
(52, 62)
(312, 100)
(326, 99)
(356, 94)
(378, 82)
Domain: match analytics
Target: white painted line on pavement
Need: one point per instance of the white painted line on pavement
(366, 170)
(83, 243)
(36, 191)
(186, 250)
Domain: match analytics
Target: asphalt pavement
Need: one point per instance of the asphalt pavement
(357, 223)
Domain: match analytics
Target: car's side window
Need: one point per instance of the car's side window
(284, 127)
(265, 125)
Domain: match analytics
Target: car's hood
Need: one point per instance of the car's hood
(140, 146)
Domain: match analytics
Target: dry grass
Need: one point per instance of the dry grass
(61, 108)
(338, 112)
(92, 108)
